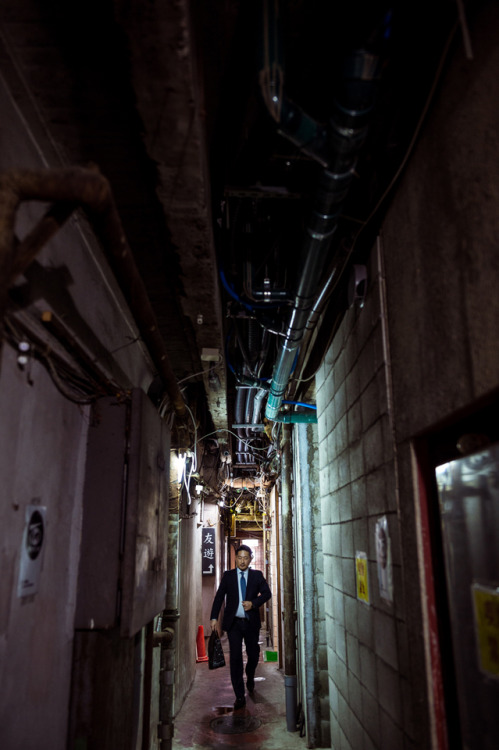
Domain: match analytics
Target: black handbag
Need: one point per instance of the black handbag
(216, 656)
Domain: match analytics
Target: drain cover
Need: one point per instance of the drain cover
(232, 724)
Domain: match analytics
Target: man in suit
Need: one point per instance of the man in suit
(244, 591)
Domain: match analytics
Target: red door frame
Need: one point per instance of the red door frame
(431, 609)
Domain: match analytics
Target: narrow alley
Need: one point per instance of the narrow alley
(261, 725)
(249, 374)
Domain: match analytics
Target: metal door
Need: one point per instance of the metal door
(468, 490)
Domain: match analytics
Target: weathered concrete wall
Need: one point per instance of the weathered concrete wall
(369, 679)
(43, 446)
(388, 379)
(190, 603)
(440, 245)
(42, 452)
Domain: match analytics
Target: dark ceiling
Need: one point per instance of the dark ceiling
(167, 99)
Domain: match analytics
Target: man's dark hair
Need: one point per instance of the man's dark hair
(245, 548)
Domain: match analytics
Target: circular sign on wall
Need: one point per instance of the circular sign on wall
(34, 537)
(33, 544)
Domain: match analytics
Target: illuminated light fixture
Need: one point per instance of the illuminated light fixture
(23, 356)
(199, 488)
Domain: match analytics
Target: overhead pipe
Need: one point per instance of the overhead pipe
(72, 188)
(257, 404)
(250, 398)
(246, 482)
(319, 232)
(311, 325)
(335, 147)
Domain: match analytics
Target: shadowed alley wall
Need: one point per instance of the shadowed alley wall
(422, 352)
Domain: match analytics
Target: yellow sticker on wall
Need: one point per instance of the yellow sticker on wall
(486, 604)
(362, 578)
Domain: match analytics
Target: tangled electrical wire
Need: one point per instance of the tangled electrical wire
(71, 381)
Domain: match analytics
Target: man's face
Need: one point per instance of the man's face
(243, 559)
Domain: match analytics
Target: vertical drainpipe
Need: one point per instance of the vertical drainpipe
(277, 583)
(289, 613)
(170, 627)
(307, 605)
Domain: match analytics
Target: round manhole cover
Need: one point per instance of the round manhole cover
(232, 724)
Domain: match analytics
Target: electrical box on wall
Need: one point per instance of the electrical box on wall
(122, 573)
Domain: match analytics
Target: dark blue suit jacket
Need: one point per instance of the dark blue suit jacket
(257, 592)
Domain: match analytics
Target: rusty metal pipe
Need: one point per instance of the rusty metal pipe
(27, 250)
(85, 187)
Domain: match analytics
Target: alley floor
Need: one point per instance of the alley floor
(207, 718)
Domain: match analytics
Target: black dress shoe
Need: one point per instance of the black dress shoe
(250, 684)
(239, 703)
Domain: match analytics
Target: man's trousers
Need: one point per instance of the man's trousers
(240, 631)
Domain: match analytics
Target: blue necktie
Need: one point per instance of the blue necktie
(243, 592)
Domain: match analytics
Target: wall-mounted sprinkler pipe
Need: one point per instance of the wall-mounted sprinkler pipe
(335, 145)
(70, 189)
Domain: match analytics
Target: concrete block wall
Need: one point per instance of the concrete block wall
(368, 689)
(313, 672)
(321, 661)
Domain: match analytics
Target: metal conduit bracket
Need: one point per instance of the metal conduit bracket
(167, 677)
(165, 731)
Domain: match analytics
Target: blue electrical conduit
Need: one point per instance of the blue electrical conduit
(232, 293)
(300, 403)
